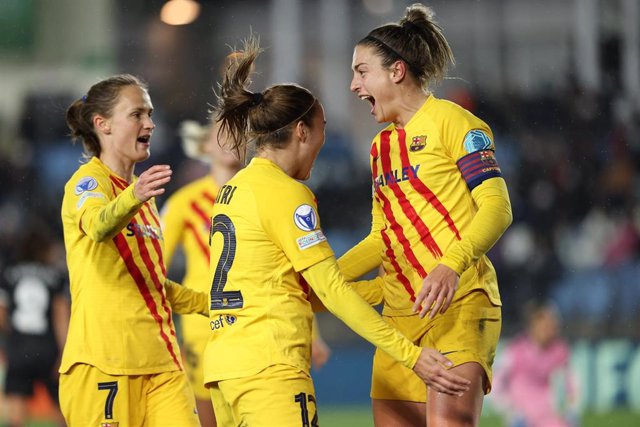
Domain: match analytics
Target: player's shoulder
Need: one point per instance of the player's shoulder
(449, 110)
(87, 177)
(268, 182)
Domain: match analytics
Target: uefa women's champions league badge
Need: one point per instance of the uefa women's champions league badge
(86, 183)
(305, 218)
(477, 140)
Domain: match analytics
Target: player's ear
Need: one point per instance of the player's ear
(301, 131)
(102, 124)
(398, 71)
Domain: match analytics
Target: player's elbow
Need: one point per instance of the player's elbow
(99, 236)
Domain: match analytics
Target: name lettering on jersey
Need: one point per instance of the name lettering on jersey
(397, 175)
(225, 194)
(220, 322)
(311, 239)
(144, 230)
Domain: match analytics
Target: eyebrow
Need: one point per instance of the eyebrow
(358, 65)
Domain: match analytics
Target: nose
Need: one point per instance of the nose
(355, 84)
(149, 123)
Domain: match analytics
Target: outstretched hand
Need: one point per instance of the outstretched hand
(437, 290)
(150, 183)
(432, 368)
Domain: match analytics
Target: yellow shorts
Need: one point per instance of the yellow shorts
(280, 395)
(467, 332)
(89, 397)
(193, 351)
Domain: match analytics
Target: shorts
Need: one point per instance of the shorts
(30, 360)
(467, 332)
(279, 395)
(193, 351)
(89, 397)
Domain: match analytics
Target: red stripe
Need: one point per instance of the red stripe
(203, 216)
(126, 255)
(147, 259)
(389, 252)
(421, 187)
(392, 257)
(123, 185)
(155, 241)
(211, 198)
(406, 207)
(196, 234)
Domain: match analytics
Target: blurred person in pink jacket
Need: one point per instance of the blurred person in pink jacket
(534, 385)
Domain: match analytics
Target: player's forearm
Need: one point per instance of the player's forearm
(362, 258)
(185, 300)
(102, 222)
(488, 224)
(344, 303)
(369, 290)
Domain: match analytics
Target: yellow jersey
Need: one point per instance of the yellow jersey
(265, 231)
(121, 301)
(423, 177)
(186, 222)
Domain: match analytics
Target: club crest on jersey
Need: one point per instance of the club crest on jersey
(85, 184)
(305, 218)
(418, 143)
(477, 140)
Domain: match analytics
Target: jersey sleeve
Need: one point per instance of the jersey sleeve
(470, 142)
(339, 298)
(488, 224)
(367, 254)
(185, 300)
(171, 217)
(92, 208)
(291, 220)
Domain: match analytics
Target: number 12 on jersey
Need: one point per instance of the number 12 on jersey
(221, 299)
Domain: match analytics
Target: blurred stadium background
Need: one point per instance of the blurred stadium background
(557, 80)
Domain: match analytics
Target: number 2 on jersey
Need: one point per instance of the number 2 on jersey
(220, 299)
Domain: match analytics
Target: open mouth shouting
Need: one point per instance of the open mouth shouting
(144, 139)
(371, 100)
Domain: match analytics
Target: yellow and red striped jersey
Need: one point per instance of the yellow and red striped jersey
(423, 175)
(186, 222)
(120, 312)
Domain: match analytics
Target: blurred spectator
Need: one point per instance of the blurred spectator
(534, 385)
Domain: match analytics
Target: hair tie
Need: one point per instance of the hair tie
(256, 98)
(408, 25)
(84, 98)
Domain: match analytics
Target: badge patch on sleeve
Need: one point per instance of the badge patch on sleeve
(305, 218)
(479, 166)
(86, 183)
(311, 239)
(477, 140)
